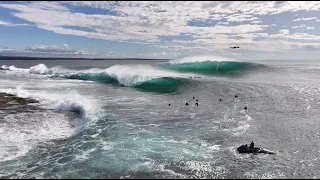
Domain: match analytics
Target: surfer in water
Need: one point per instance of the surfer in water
(219, 66)
(197, 104)
(220, 100)
(187, 104)
(245, 108)
(251, 145)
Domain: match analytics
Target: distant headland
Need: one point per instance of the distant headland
(64, 58)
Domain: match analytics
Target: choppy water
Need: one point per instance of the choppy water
(104, 119)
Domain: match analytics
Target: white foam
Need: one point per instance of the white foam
(21, 132)
(203, 169)
(93, 70)
(69, 102)
(38, 69)
(202, 58)
(31, 128)
(13, 68)
(241, 129)
(106, 146)
(4, 67)
(214, 147)
(85, 154)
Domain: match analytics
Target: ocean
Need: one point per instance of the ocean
(112, 119)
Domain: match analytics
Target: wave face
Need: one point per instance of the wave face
(145, 78)
(91, 76)
(162, 85)
(211, 65)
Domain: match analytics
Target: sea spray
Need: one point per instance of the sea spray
(62, 102)
(39, 69)
(211, 67)
(24, 130)
(202, 58)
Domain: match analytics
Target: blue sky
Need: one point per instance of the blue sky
(160, 29)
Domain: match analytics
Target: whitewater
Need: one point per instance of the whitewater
(112, 119)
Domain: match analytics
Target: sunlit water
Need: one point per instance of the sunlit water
(104, 119)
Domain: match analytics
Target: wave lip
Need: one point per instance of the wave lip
(202, 58)
(98, 76)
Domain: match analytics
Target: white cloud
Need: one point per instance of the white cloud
(65, 52)
(241, 18)
(55, 49)
(148, 21)
(222, 23)
(305, 19)
(284, 31)
(302, 26)
(6, 49)
(9, 24)
(303, 36)
(256, 22)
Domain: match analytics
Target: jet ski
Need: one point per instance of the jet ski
(246, 149)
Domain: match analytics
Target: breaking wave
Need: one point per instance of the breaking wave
(211, 65)
(164, 78)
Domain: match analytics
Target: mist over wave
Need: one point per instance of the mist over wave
(201, 58)
(213, 66)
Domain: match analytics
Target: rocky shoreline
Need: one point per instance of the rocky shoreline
(10, 103)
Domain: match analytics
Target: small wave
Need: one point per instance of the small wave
(37, 69)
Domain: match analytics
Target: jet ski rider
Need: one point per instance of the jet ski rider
(251, 145)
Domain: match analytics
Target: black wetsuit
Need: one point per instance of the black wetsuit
(252, 144)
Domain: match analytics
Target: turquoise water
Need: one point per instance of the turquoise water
(112, 119)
